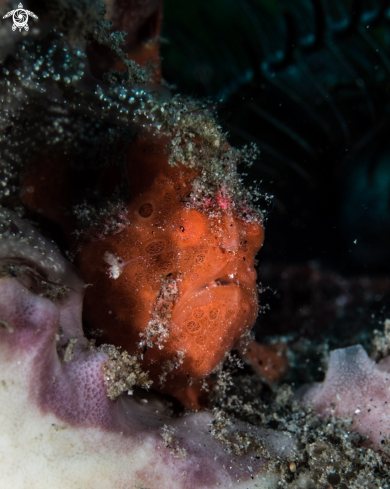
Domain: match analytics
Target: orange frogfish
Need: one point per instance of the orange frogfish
(174, 285)
(177, 284)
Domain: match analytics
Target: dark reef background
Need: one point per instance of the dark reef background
(308, 81)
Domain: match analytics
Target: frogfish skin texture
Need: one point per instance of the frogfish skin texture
(177, 284)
